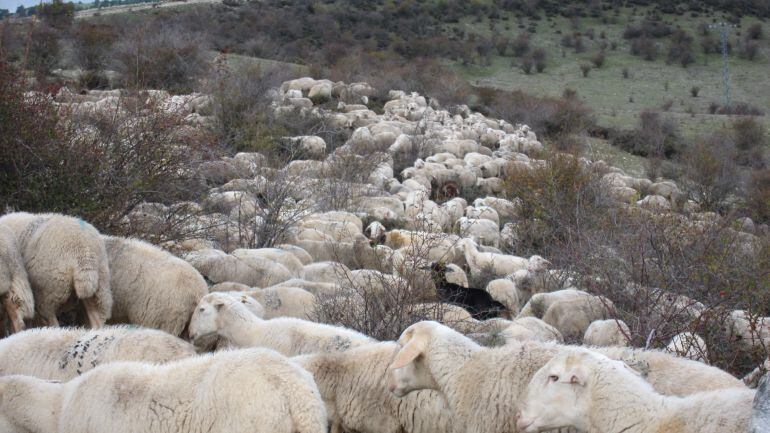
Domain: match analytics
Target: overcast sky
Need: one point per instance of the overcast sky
(13, 4)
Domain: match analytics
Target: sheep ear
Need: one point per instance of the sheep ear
(218, 306)
(414, 348)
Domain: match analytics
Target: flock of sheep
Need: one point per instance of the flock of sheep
(274, 368)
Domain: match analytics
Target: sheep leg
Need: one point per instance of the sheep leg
(17, 324)
(94, 318)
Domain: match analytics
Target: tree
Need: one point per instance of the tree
(21, 11)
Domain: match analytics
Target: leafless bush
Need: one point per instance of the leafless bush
(383, 304)
(159, 57)
(710, 173)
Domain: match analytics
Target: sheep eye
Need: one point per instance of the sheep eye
(201, 309)
(553, 378)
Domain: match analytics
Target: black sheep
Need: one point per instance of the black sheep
(478, 302)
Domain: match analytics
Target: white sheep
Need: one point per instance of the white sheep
(481, 231)
(505, 292)
(499, 265)
(610, 332)
(482, 385)
(65, 353)
(570, 311)
(531, 329)
(254, 391)
(151, 287)
(225, 316)
(15, 290)
(64, 256)
(594, 394)
(326, 272)
(688, 345)
(218, 266)
(284, 258)
(353, 386)
(483, 212)
(285, 302)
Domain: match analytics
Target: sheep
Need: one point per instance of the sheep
(298, 252)
(229, 286)
(151, 287)
(217, 266)
(670, 374)
(499, 265)
(506, 210)
(63, 256)
(15, 290)
(285, 302)
(531, 329)
(478, 302)
(455, 275)
(504, 291)
(65, 353)
(315, 287)
(326, 272)
(242, 391)
(688, 345)
(483, 212)
(573, 317)
(612, 332)
(354, 389)
(224, 315)
(285, 258)
(593, 393)
(482, 385)
(481, 231)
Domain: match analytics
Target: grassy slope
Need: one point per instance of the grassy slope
(607, 92)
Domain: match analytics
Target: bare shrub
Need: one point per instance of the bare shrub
(644, 48)
(92, 44)
(710, 175)
(680, 48)
(754, 31)
(383, 305)
(694, 90)
(557, 200)
(520, 46)
(655, 136)
(758, 196)
(585, 68)
(159, 57)
(750, 140)
(598, 59)
(98, 165)
(539, 55)
(526, 64)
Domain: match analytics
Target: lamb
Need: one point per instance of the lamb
(15, 290)
(353, 386)
(594, 394)
(612, 332)
(478, 302)
(65, 353)
(242, 391)
(63, 256)
(151, 287)
(224, 315)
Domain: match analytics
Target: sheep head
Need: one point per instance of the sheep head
(408, 371)
(557, 395)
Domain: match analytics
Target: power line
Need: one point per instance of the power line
(724, 29)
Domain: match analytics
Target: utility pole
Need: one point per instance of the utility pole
(724, 29)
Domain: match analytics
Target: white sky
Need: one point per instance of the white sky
(11, 5)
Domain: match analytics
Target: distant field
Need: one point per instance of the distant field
(608, 93)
